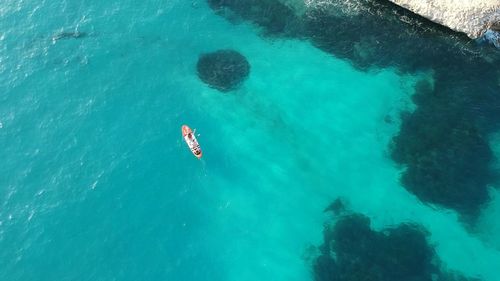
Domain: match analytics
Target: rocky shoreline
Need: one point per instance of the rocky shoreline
(470, 17)
(477, 19)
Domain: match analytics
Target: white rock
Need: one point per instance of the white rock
(472, 17)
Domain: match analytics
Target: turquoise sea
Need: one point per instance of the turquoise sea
(96, 182)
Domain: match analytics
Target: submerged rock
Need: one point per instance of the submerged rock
(352, 251)
(223, 70)
(274, 16)
(337, 206)
(447, 163)
(444, 142)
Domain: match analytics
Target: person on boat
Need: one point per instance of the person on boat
(192, 143)
(191, 135)
(190, 140)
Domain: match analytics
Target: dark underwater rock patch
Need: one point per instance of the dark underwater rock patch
(337, 206)
(273, 16)
(352, 251)
(223, 70)
(443, 143)
(446, 152)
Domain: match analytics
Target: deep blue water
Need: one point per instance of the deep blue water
(97, 184)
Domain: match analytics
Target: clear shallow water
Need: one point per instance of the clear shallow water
(97, 184)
